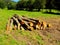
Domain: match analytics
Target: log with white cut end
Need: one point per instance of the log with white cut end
(9, 24)
(16, 23)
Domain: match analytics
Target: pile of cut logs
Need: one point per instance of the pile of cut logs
(24, 23)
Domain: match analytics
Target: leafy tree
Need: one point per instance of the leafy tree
(2, 4)
(43, 2)
(11, 5)
(29, 5)
(56, 4)
(7, 1)
(20, 5)
(49, 5)
(37, 4)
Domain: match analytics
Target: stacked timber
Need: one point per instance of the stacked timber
(24, 23)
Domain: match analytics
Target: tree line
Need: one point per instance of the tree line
(30, 5)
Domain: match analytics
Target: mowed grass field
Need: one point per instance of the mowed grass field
(20, 37)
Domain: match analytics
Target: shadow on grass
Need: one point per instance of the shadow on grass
(52, 13)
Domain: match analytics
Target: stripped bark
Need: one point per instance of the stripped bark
(16, 23)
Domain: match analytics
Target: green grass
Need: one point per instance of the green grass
(9, 39)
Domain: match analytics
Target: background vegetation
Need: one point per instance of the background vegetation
(31, 5)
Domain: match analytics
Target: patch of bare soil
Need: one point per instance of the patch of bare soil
(49, 36)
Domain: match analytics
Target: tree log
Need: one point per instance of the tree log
(9, 24)
(16, 23)
(33, 22)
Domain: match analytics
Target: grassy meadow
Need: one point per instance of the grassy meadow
(21, 37)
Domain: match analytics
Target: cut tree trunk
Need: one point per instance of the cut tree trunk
(16, 23)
